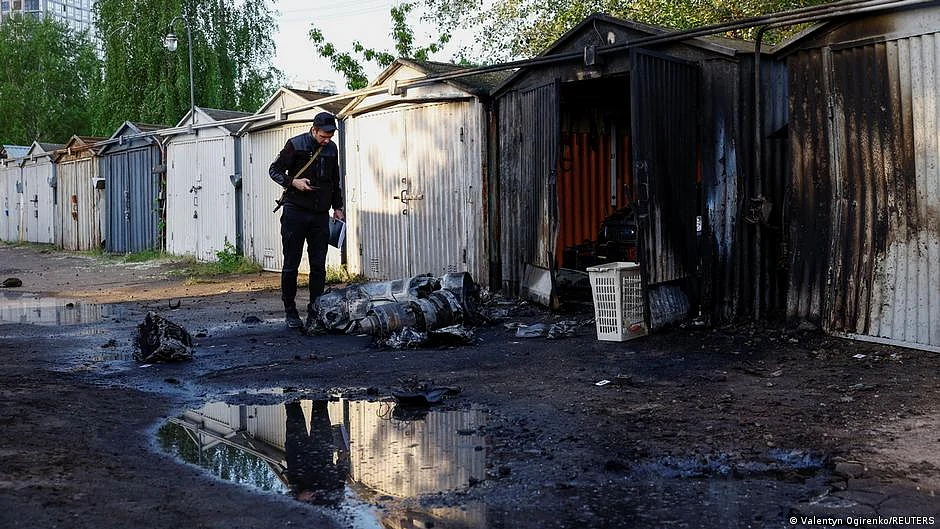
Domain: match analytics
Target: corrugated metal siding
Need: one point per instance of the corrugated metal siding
(811, 196)
(433, 151)
(775, 169)
(724, 265)
(540, 119)
(39, 200)
(584, 186)
(181, 171)
(10, 201)
(528, 142)
(886, 274)
(445, 166)
(507, 194)
(262, 227)
(200, 197)
(409, 458)
(216, 198)
(880, 193)
(665, 103)
(79, 222)
(132, 191)
(268, 423)
(379, 235)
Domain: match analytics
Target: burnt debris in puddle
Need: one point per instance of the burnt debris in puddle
(161, 340)
(365, 460)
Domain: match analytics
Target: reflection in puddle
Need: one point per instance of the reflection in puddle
(24, 307)
(344, 454)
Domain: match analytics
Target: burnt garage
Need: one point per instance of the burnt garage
(611, 150)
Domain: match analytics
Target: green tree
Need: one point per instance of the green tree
(232, 50)
(47, 73)
(514, 29)
(352, 68)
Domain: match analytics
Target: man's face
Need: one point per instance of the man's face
(321, 136)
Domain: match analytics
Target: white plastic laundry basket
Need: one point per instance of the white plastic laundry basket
(618, 301)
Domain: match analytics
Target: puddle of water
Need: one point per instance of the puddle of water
(774, 463)
(25, 307)
(351, 456)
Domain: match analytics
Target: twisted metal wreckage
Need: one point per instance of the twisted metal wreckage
(404, 312)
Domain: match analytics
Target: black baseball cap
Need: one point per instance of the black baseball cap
(325, 121)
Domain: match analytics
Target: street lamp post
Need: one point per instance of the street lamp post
(170, 43)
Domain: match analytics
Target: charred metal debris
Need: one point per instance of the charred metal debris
(161, 340)
(405, 313)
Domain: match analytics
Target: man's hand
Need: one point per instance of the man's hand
(338, 214)
(302, 184)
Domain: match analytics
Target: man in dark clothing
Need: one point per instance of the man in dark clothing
(308, 169)
(317, 460)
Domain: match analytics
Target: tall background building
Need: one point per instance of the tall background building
(77, 14)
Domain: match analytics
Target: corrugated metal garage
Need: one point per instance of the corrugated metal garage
(262, 140)
(650, 138)
(202, 210)
(416, 175)
(11, 192)
(132, 168)
(39, 180)
(79, 189)
(865, 187)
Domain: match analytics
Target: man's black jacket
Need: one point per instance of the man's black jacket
(323, 173)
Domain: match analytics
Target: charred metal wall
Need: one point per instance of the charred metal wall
(528, 139)
(774, 173)
(723, 233)
(582, 178)
(811, 195)
(865, 198)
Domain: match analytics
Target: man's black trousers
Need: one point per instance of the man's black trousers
(297, 227)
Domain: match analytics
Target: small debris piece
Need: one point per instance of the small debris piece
(602, 382)
(562, 329)
(532, 331)
(161, 340)
(414, 393)
(251, 320)
(407, 338)
(12, 282)
(419, 398)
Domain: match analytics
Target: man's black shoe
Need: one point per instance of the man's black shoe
(293, 321)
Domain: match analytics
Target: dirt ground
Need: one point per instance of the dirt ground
(743, 426)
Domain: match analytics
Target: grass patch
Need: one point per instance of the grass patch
(41, 246)
(229, 263)
(335, 275)
(143, 256)
(339, 274)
